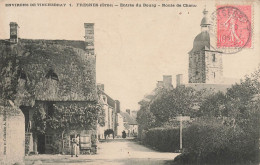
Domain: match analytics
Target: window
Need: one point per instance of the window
(104, 99)
(213, 57)
(214, 74)
(22, 75)
(48, 139)
(50, 109)
(197, 73)
(52, 75)
(195, 59)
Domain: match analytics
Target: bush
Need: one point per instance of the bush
(206, 141)
(163, 139)
(211, 142)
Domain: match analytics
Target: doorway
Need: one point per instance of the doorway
(26, 112)
(41, 144)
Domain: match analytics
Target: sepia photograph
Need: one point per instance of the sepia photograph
(130, 82)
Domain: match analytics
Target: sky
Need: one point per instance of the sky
(135, 47)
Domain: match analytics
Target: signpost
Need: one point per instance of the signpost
(182, 118)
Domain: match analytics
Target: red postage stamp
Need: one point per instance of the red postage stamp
(234, 26)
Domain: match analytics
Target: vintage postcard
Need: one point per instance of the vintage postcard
(129, 82)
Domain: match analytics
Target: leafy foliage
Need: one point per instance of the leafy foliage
(211, 142)
(67, 116)
(229, 127)
(39, 120)
(145, 118)
(74, 116)
(213, 105)
(166, 104)
(101, 116)
(163, 139)
(236, 105)
(226, 129)
(8, 72)
(169, 104)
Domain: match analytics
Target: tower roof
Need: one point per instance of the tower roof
(201, 41)
(205, 22)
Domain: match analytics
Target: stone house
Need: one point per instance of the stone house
(127, 123)
(46, 74)
(111, 109)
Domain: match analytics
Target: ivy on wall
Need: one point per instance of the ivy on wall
(74, 116)
(8, 72)
(68, 116)
(39, 120)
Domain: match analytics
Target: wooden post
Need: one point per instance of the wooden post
(182, 118)
(62, 137)
(181, 133)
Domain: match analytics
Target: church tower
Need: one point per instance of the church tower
(205, 64)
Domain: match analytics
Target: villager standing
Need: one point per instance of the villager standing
(75, 146)
(123, 134)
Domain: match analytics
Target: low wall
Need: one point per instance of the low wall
(12, 145)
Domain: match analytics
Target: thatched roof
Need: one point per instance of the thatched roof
(53, 70)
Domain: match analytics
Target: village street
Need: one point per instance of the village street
(110, 152)
(171, 82)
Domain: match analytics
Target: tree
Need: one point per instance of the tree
(213, 105)
(228, 127)
(171, 103)
(237, 107)
(145, 118)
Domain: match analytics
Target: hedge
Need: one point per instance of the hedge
(163, 139)
(206, 142)
(211, 142)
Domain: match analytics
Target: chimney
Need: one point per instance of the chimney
(101, 87)
(159, 84)
(14, 32)
(117, 105)
(167, 81)
(179, 80)
(89, 38)
(128, 111)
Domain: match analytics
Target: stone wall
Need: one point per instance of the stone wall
(28, 143)
(197, 67)
(214, 67)
(211, 87)
(204, 68)
(12, 133)
(65, 146)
